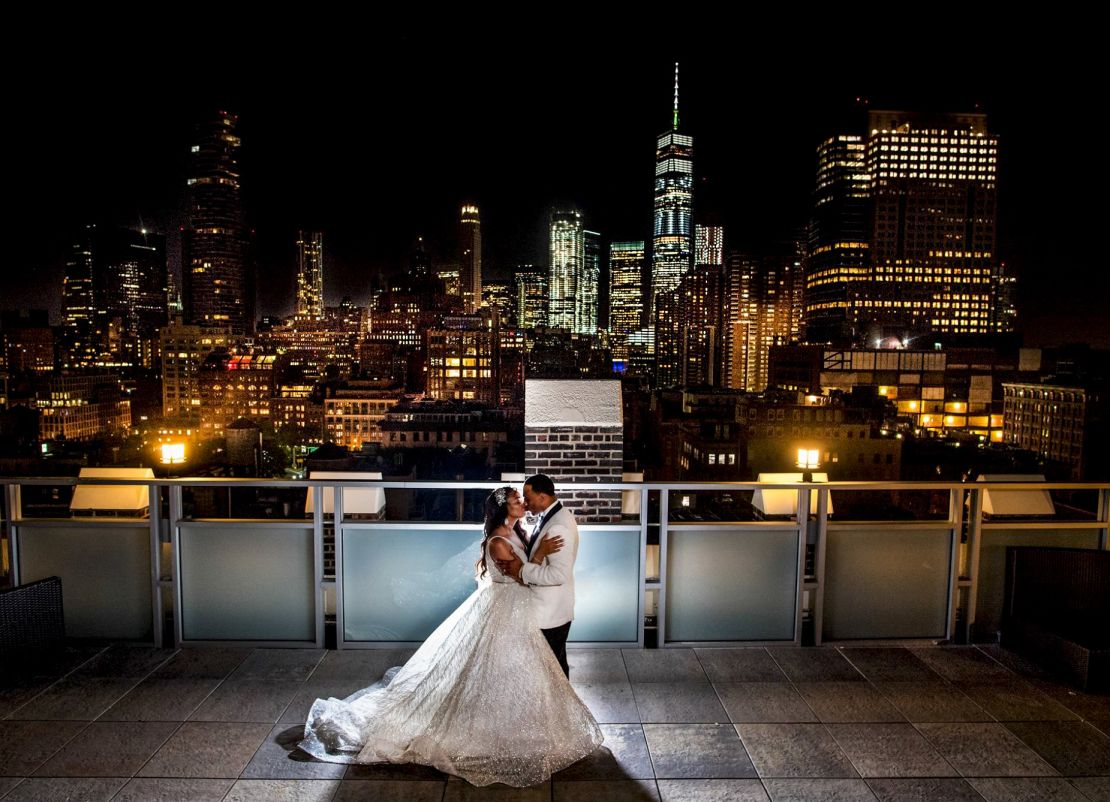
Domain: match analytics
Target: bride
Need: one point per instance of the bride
(483, 698)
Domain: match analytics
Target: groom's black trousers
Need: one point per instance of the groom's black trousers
(557, 640)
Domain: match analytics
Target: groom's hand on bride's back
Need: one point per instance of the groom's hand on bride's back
(510, 567)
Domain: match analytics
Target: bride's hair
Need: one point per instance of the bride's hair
(497, 510)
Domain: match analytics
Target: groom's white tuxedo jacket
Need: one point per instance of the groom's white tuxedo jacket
(552, 581)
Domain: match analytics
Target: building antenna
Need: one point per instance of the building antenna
(675, 96)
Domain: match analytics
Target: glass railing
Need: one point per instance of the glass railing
(271, 562)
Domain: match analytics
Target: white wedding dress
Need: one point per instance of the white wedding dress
(483, 698)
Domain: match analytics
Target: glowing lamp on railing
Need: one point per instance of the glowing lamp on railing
(173, 453)
(808, 461)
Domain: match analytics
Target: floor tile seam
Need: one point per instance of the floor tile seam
(930, 744)
(796, 690)
(804, 723)
(908, 651)
(216, 687)
(111, 704)
(651, 757)
(54, 754)
(258, 749)
(320, 662)
(182, 721)
(994, 660)
(952, 687)
(958, 778)
(1036, 691)
(840, 650)
(21, 781)
(147, 675)
(231, 788)
(273, 723)
(46, 688)
(157, 749)
(825, 726)
(1038, 753)
(1083, 793)
(875, 688)
(936, 748)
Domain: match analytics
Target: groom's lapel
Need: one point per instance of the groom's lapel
(558, 505)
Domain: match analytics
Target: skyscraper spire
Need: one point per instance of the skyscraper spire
(675, 96)
(673, 231)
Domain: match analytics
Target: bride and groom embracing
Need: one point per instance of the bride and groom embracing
(487, 696)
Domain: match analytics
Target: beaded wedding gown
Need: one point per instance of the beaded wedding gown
(483, 698)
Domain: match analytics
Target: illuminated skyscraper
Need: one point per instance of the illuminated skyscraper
(449, 275)
(567, 256)
(585, 317)
(310, 275)
(837, 263)
(420, 262)
(470, 259)
(184, 349)
(531, 297)
(903, 238)
(499, 302)
(709, 245)
(673, 234)
(78, 310)
(114, 297)
(933, 250)
(763, 308)
(626, 293)
(687, 330)
(217, 275)
(463, 360)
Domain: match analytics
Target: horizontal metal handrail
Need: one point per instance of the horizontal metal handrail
(429, 484)
(965, 522)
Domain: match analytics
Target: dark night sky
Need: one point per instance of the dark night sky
(377, 143)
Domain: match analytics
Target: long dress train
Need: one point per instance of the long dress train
(482, 698)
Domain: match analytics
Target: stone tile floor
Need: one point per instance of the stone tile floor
(682, 725)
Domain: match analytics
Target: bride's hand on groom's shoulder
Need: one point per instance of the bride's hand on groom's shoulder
(547, 547)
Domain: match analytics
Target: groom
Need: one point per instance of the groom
(552, 581)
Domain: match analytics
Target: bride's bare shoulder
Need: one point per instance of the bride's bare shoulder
(499, 545)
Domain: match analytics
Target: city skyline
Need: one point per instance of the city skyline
(521, 172)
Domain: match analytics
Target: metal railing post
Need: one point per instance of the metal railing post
(175, 556)
(15, 513)
(337, 528)
(956, 519)
(640, 607)
(1104, 518)
(819, 564)
(155, 514)
(803, 537)
(974, 544)
(661, 605)
(318, 558)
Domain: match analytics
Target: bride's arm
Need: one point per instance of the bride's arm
(501, 551)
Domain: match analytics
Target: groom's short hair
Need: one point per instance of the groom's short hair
(541, 483)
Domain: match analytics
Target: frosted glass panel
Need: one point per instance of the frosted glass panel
(885, 583)
(399, 584)
(606, 586)
(992, 566)
(731, 584)
(105, 572)
(247, 583)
